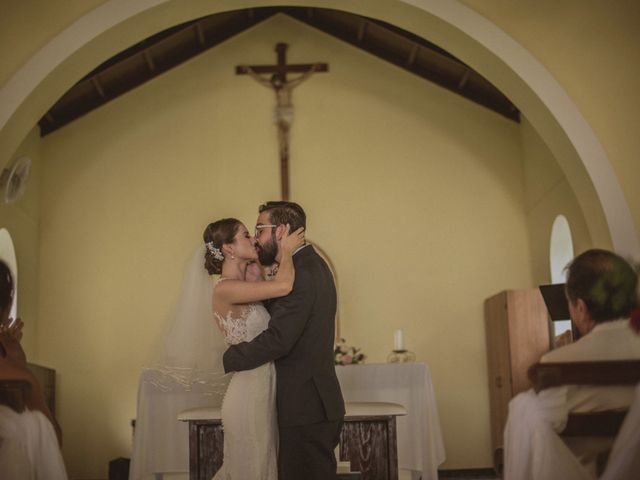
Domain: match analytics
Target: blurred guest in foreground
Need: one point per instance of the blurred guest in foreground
(30, 437)
(602, 295)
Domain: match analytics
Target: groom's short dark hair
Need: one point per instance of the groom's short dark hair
(281, 213)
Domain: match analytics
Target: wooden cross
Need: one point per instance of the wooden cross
(282, 86)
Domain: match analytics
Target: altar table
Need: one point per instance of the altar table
(419, 439)
(367, 440)
(420, 444)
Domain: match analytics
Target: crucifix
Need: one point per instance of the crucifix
(275, 77)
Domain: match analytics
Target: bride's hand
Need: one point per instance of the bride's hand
(290, 242)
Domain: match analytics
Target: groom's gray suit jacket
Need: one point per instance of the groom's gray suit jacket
(300, 340)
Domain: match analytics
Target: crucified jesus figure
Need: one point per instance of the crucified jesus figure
(275, 77)
(283, 111)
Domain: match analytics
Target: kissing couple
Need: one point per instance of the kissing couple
(283, 410)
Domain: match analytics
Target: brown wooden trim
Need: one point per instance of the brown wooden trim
(292, 68)
(13, 394)
(369, 418)
(613, 372)
(173, 46)
(594, 424)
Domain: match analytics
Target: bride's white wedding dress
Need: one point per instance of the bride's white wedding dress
(248, 408)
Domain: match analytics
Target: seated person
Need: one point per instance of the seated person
(29, 439)
(601, 291)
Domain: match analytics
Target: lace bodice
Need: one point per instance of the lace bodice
(252, 320)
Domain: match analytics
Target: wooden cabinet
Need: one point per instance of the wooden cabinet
(517, 330)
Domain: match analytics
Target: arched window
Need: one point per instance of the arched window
(560, 248)
(8, 254)
(560, 254)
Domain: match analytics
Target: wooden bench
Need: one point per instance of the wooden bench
(601, 373)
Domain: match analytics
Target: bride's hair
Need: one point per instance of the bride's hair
(217, 234)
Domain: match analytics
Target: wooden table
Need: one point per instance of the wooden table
(367, 441)
(419, 437)
(206, 441)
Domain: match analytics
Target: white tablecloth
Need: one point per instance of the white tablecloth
(420, 445)
(161, 441)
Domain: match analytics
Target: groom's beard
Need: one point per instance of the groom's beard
(268, 252)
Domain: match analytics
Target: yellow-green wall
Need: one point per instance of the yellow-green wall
(26, 25)
(591, 47)
(415, 193)
(127, 189)
(547, 195)
(22, 221)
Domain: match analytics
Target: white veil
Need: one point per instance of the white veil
(190, 354)
(186, 373)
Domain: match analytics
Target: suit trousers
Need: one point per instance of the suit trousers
(307, 451)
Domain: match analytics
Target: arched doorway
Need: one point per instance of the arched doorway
(462, 31)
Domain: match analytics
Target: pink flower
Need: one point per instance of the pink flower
(347, 359)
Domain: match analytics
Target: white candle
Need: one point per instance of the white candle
(398, 344)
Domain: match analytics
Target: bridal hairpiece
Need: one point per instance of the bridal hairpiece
(216, 252)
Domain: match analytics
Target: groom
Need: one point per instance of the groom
(300, 341)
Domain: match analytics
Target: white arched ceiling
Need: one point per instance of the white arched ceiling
(117, 24)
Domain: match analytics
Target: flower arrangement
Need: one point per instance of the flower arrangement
(343, 354)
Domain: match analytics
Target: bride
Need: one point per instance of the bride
(248, 409)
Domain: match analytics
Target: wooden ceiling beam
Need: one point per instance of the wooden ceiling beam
(362, 30)
(200, 34)
(464, 79)
(413, 54)
(148, 58)
(180, 43)
(96, 84)
(494, 99)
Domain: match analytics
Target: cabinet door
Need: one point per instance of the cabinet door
(528, 334)
(517, 330)
(499, 365)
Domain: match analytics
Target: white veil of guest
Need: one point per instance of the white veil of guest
(186, 372)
